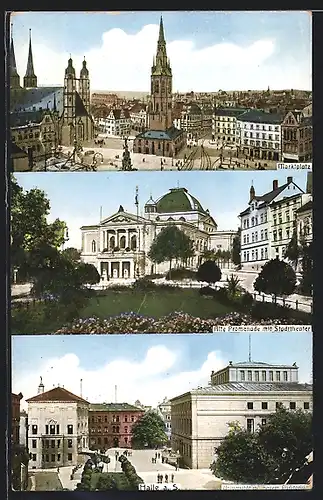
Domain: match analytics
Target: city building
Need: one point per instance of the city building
(103, 98)
(23, 428)
(19, 450)
(304, 219)
(188, 117)
(15, 417)
(164, 410)
(117, 123)
(119, 245)
(258, 134)
(224, 124)
(267, 224)
(58, 428)
(110, 425)
(41, 118)
(18, 158)
(297, 133)
(162, 138)
(139, 117)
(244, 393)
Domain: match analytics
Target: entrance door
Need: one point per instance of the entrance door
(153, 148)
(115, 443)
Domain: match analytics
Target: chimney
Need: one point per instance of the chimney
(275, 184)
(289, 180)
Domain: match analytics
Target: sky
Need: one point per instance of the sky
(144, 367)
(208, 51)
(76, 198)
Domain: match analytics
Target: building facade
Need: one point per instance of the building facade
(188, 117)
(117, 123)
(267, 224)
(259, 134)
(119, 245)
(15, 417)
(162, 138)
(297, 133)
(164, 410)
(110, 425)
(58, 428)
(224, 124)
(139, 117)
(244, 393)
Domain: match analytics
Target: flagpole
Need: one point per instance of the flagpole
(138, 230)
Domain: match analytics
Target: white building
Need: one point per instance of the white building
(224, 124)
(258, 134)
(244, 393)
(139, 117)
(119, 245)
(262, 236)
(164, 409)
(188, 117)
(58, 428)
(116, 124)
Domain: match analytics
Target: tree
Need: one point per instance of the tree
(293, 251)
(72, 254)
(270, 453)
(149, 431)
(236, 249)
(106, 482)
(171, 243)
(276, 278)
(307, 269)
(33, 239)
(209, 271)
(86, 274)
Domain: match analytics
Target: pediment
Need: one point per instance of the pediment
(122, 218)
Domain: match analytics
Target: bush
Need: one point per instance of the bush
(180, 273)
(207, 291)
(209, 272)
(269, 310)
(246, 300)
(154, 276)
(222, 296)
(144, 284)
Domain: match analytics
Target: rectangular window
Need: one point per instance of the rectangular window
(263, 421)
(46, 429)
(249, 375)
(53, 458)
(242, 375)
(285, 375)
(278, 405)
(57, 429)
(58, 457)
(306, 405)
(34, 443)
(52, 429)
(52, 443)
(47, 458)
(250, 424)
(69, 443)
(126, 418)
(34, 457)
(277, 376)
(70, 429)
(126, 429)
(257, 376)
(34, 429)
(69, 456)
(263, 376)
(292, 405)
(271, 376)
(250, 406)
(264, 406)
(58, 443)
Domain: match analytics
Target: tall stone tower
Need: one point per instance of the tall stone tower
(30, 79)
(69, 113)
(84, 86)
(14, 77)
(160, 108)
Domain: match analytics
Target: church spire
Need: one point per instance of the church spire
(161, 38)
(14, 77)
(30, 79)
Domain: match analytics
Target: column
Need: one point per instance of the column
(127, 238)
(100, 240)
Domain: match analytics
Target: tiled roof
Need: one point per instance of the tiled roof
(247, 387)
(136, 108)
(57, 394)
(169, 134)
(40, 97)
(230, 111)
(305, 207)
(113, 407)
(257, 116)
(23, 118)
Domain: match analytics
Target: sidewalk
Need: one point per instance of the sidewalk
(65, 477)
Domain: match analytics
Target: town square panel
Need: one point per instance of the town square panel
(159, 91)
(161, 252)
(187, 401)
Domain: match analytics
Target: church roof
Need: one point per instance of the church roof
(36, 98)
(57, 394)
(178, 200)
(164, 135)
(30, 63)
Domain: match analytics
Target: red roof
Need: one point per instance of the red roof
(57, 394)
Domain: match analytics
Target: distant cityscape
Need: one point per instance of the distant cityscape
(73, 128)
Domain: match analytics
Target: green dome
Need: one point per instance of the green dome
(178, 200)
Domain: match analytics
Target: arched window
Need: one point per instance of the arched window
(112, 243)
(182, 218)
(123, 242)
(93, 246)
(133, 242)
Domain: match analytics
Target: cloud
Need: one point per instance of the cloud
(123, 62)
(148, 380)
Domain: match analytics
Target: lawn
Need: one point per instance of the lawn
(154, 303)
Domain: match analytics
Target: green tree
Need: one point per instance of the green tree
(236, 249)
(149, 431)
(72, 254)
(170, 244)
(209, 272)
(33, 239)
(293, 251)
(306, 284)
(106, 482)
(276, 278)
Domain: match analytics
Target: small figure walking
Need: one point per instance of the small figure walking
(172, 478)
(161, 478)
(166, 478)
(57, 470)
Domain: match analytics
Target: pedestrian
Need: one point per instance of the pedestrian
(166, 478)
(152, 460)
(57, 470)
(161, 478)
(156, 454)
(172, 478)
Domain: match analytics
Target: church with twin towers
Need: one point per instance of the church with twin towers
(65, 110)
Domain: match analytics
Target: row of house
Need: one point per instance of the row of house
(269, 222)
(264, 135)
(63, 427)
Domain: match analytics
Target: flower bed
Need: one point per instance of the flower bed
(176, 322)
